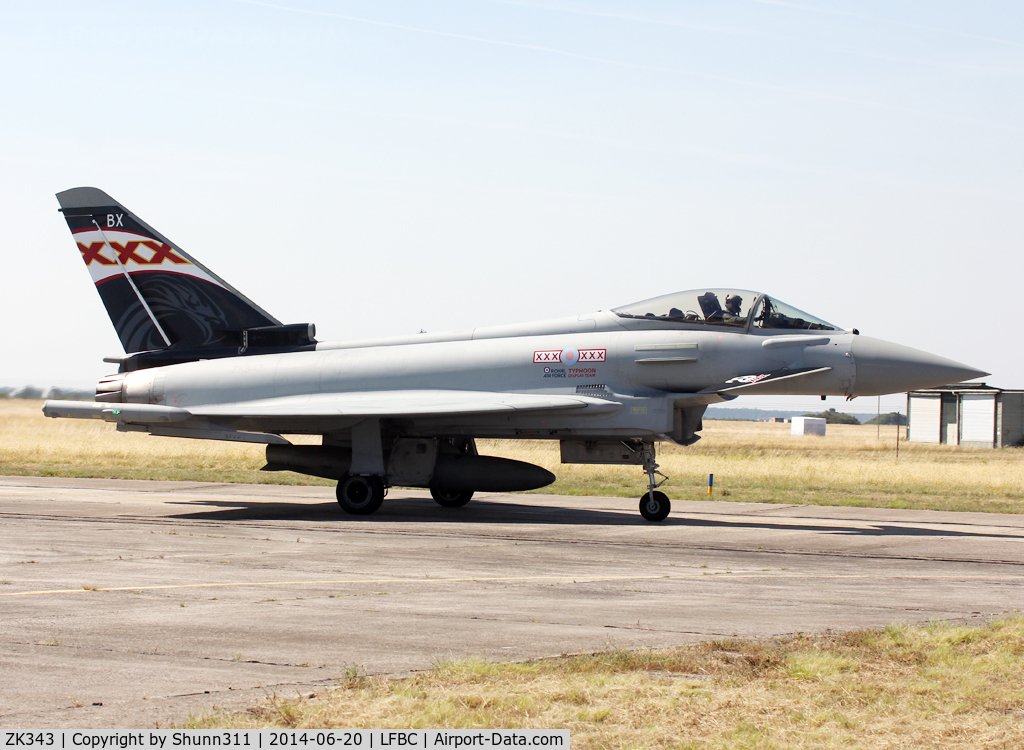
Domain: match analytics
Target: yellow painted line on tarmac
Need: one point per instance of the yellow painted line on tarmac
(513, 579)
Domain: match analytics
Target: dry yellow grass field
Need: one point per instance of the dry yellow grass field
(33, 445)
(751, 461)
(935, 686)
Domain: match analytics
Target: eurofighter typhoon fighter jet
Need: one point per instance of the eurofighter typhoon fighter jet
(203, 361)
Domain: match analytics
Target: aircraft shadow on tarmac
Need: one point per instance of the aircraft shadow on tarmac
(422, 510)
(483, 512)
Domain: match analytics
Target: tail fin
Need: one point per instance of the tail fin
(156, 294)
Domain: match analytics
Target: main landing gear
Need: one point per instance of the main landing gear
(361, 495)
(654, 505)
(451, 498)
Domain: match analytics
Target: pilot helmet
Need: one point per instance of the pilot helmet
(733, 300)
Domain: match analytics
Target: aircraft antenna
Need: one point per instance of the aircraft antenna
(117, 259)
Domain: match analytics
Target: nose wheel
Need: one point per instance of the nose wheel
(654, 505)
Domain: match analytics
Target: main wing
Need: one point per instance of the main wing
(208, 419)
(403, 403)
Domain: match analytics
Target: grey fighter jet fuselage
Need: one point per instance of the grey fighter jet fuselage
(405, 411)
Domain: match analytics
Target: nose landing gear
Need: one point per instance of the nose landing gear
(654, 505)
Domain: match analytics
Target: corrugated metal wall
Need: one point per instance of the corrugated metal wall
(925, 418)
(978, 420)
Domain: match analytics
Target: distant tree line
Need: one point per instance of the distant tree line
(835, 417)
(760, 415)
(893, 417)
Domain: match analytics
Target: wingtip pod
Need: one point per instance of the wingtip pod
(138, 413)
(156, 294)
(883, 367)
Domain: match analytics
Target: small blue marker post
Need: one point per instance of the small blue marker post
(711, 483)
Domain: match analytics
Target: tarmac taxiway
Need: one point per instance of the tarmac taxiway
(130, 604)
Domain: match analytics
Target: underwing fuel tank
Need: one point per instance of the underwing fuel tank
(457, 473)
(489, 474)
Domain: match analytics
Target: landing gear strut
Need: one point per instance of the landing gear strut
(361, 495)
(654, 505)
(362, 490)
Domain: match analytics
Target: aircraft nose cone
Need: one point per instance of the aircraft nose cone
(884, 367)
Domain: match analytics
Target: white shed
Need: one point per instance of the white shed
(807, 426)
(972, 414)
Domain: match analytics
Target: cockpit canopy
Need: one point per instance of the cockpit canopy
(735, 308)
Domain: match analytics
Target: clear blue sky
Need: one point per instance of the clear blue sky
(381, 167)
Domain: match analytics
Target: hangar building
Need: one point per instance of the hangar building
(974, 415)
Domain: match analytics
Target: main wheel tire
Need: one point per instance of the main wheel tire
(360, 495)
(451, 498)
(655, 506)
